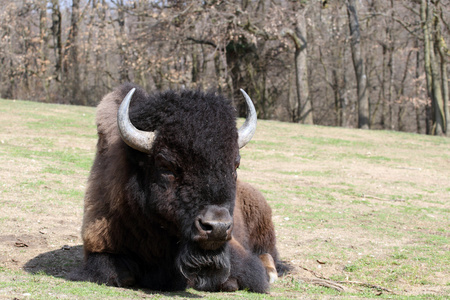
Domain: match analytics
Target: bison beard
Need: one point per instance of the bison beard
(163, 207)
(209, 270)
(205, 270)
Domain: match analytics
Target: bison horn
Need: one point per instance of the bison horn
(248, 129)
(133, 137)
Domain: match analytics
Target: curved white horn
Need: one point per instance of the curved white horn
(133, 137)
(247, 129)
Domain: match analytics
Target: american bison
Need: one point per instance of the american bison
(163, 207)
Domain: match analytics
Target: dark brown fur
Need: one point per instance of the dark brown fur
(138, 216)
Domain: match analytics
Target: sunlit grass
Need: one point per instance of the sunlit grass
(372, 205)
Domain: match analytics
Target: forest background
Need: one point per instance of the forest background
(350, 63)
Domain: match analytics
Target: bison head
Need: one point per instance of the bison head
(188, 152)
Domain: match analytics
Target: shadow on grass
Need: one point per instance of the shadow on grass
(65, 263)
(58, 263)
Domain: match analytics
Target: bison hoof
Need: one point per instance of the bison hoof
(269, 265)
(123, 280)
(231, 285)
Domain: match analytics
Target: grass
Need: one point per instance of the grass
(372, 206)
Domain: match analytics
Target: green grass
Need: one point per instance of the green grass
(64, 157)
(373, 205)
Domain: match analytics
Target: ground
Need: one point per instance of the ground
(358, 214)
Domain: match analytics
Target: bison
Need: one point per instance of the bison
(163, 207)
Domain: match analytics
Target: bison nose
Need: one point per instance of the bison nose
(214, 225)
(215, 230)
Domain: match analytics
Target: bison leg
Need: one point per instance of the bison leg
(110, 269)
(231, 285)
(269, 265)
(247, 271)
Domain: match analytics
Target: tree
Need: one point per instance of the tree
(358, 64)
(430, 25)
(304, 113)
(303, 109)
(57, 39)
(72, 79)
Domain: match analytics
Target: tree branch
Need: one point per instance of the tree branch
(204, 42)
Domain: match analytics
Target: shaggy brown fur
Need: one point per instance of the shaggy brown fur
(139, 225)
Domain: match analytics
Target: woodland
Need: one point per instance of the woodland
(366, 64)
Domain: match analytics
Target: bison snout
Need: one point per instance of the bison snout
(215, 230)
(213, 227)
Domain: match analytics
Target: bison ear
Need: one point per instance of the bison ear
(248, 129)
(133, 137)
(237, 162)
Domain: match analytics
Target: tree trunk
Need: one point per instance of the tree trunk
(431, 69)
(417, 87)
(340, 101)
(401, 94)
(438, 101)
(101, 62)
(57, 41)
(71, 65)
(382, 98)
(301, 70)
(445, 91)
(86, 59)
(358, 63)
(123, 61)
(391, 92)
(443, 51)
(391, 64)
(427, 65)
(304, 106)
(195, 65)
(43, 36)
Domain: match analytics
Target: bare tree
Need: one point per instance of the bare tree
(304, 112)
(431, 65)
(57, 39)
(358, 63)
(72, 79)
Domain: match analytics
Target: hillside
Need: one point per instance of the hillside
(364, 212)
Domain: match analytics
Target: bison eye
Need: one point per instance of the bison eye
(168, 175)
(167, 167)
